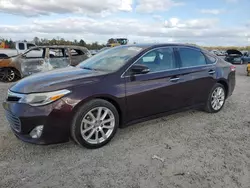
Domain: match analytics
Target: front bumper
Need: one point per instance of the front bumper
(55, 118)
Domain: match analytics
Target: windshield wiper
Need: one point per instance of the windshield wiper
(88, 68)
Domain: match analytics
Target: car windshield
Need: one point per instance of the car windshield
(110, 60)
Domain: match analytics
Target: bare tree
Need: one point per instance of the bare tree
(36, 40)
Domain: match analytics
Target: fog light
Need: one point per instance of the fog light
(37, 132)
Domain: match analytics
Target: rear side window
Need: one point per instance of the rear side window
(76, 52)
(21, 46)
(210, 59)
(190, 57)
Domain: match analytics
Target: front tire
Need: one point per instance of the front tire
(95, 124)
(8, 75)
(216, 99)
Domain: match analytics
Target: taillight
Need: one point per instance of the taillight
(232, 68)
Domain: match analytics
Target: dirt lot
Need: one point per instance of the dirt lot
(190, 149)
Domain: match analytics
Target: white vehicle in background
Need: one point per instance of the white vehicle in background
(217, 52)
(20, 47)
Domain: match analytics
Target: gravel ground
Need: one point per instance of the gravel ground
(190, 149)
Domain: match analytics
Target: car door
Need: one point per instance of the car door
(58, 57)
(157, 91)
(199, 72)
(31, 63)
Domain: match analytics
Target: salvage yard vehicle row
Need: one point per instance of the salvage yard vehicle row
(45, 58)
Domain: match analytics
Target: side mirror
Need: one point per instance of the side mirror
(139, 69)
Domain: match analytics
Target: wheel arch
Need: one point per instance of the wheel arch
(108, 98)
(225, 84)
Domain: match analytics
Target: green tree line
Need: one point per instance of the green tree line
(58, 41)
(97, 46)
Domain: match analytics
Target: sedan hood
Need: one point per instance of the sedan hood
(234, 52)
(56, 79)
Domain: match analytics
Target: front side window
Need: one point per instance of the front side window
(150, 57)
(35, 53)
(190, 57)
(210, 59)
(159, 60)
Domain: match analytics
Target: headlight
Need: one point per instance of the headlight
(39, 99)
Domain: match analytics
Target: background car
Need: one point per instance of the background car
(41, 59)
(117, 87)
(236, 57)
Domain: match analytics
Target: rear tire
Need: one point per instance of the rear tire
(95, 124)
(216, 99)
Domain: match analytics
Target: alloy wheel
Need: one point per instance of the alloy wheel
(7, 75)
(218, 98)
(10, 75)
(97, 125)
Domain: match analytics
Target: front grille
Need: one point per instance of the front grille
(14, 121)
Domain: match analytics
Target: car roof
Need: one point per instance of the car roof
(158, 45)
(60, 46)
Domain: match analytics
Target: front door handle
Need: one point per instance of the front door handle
(211, 72)
(174, 79)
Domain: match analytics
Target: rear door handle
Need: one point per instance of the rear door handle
(211, 72)
(174, 79)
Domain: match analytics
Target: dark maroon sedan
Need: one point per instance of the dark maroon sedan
(116, 87)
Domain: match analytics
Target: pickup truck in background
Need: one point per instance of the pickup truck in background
(20, 47)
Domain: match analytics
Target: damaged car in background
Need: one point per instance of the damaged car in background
(236, 57)
(47, 58)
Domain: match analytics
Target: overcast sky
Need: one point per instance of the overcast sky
(213, 22)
